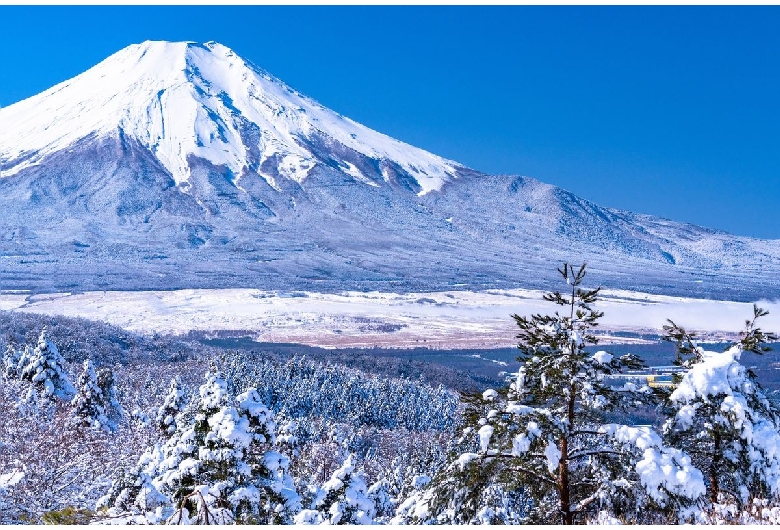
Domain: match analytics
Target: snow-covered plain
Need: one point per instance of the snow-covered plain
(448, 319)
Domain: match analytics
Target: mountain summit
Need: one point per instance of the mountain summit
(181, 99)
(175, 165)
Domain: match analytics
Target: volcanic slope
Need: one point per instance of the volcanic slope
(175, 165)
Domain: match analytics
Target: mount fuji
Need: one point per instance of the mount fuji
(180, 165)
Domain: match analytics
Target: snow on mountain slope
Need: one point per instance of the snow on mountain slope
(179, 165)
(181, 99)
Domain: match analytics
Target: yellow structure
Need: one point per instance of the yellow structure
(659, 381)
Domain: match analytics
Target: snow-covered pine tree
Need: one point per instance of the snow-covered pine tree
(11, 358)
(46, 370)
(25, 355)
(546, 436)
(342, 500)
(132, 497)
(381, 494)
(718, 413)
(88, 402)
(29, 405)
(222, 468)
(113, 409)
(173, 405)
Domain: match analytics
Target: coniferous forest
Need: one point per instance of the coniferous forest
(100, 425)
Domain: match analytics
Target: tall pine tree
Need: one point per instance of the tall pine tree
(542, 450)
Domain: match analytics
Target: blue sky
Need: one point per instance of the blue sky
(671, 111)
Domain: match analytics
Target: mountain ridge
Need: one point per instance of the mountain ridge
(213, 173)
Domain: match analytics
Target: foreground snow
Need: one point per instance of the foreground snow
(448, 319)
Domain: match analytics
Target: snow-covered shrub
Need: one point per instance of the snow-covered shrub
(7, 482)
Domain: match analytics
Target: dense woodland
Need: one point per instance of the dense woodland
(105, 426)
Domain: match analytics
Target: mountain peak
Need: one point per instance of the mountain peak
(184, 99)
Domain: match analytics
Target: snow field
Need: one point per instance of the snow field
(448, 319)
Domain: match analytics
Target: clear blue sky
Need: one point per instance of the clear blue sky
(672, 111)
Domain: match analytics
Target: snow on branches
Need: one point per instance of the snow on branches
(719, 414)
(46, 370)
(220, 468)
(546, 435)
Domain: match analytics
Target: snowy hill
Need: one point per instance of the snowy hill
(175, 165)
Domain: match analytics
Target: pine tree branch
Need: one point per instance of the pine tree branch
(586, 501)
(583, 454)
(536, 475)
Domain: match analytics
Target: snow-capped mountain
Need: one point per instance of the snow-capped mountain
(180, 99)
(181, 165)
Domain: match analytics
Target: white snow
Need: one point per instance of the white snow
(489, 394)
(465, 459)
(457, 319)
(485, 432)
(710, 377)
(602, 357)
(661, 468)
(179, 99)
(553, 455)
(8, 480)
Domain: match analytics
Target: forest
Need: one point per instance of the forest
(101, 425)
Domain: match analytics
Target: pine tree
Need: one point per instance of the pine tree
(718, 413)
(11, 359)
(46, 370)
(172, 407)
(221, 468)
(25, 356)
(541, 450)
(88, 403)
(29, 405)
(113, 409)
(342, 500)
(133, 494)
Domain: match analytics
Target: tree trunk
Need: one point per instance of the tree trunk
(567, 517)
(716, 457)
(563, 483)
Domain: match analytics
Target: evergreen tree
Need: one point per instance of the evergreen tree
(133, 494)
(222, 468)
(46, 370)
(25, 355)
(542, 451)
(342, 500)
(11, 359)
(172, 407)
(718, 413)
(113, 409)
(88, 402)
(29, 405)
